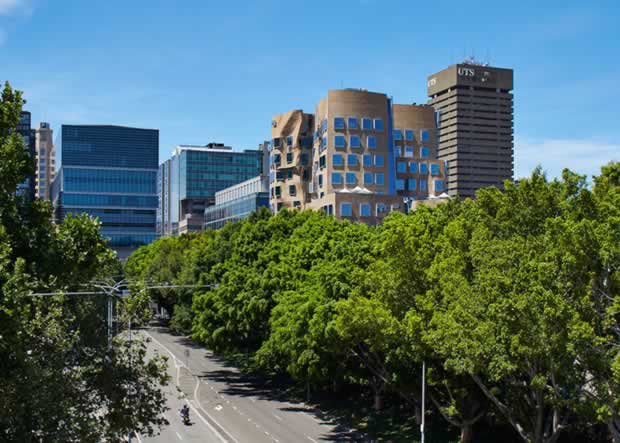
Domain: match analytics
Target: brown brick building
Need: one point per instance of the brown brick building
(358, 157)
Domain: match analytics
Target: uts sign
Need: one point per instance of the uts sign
(466, 72)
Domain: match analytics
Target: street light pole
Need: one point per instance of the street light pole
(423, 400)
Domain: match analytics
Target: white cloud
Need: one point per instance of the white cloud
(582, 156)
(8, 6)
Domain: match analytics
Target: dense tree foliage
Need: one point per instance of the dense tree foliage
(59, 378)
(512, 300)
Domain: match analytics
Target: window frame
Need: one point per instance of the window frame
(349, 207)
(344, 141)
(347, 176)
(339, 181)
(344, 120)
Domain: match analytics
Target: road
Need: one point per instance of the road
(227, 406)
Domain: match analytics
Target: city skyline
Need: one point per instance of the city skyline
(195, 76)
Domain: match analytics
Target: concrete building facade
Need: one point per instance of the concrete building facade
(46, 160)
(351, 160)
(474, 105)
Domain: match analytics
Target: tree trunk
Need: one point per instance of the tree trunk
(418, 413)
(378, 401)
(614, 429)
(467, 434)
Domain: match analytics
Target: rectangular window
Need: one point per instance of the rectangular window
(337, 160)
(400, 184)
(378, 124)
(379, 179)
(381, 208)
(411, 184)
(397, 151)
(368, 178)
(422, 185)
(338, 122)
(289, 174)
(438, 185)
(352, 122)
(289, 157)
(292, 190)
(352, 160)
(401, 167)
(434, 169)
(322, 161)
(423, 168)
(289, 140)
(339, 141)
(366, 124)
(278, 191)
(409, 151)
(354, 141)
(397, 134)
(351, 178)
(409, 135)
(277, 159)
(346, 210)
(379, 161)
(424, 152)
(424, 135)
(276, 142)
(303, 159)
(365, 210)
(367, 159)
(323, 144)
(413, 167)
(371, 142)
(336, 178)
(320, 180)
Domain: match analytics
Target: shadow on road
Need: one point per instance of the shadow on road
(277, 389)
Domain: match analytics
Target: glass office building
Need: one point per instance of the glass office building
(24, 128)
(189, 180)
(110, 172)
(238, 202)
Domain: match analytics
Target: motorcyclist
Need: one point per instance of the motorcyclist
(185, 413)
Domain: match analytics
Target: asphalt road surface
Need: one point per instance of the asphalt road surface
(227, 406)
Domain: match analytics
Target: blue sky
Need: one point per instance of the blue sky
(201, 70)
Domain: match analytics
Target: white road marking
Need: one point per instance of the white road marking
(278, 417)
(178, 435)
(138, 437)
(215, 431)
(312, 439)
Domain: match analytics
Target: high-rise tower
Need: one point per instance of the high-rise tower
(46, 160)
(474, 107)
